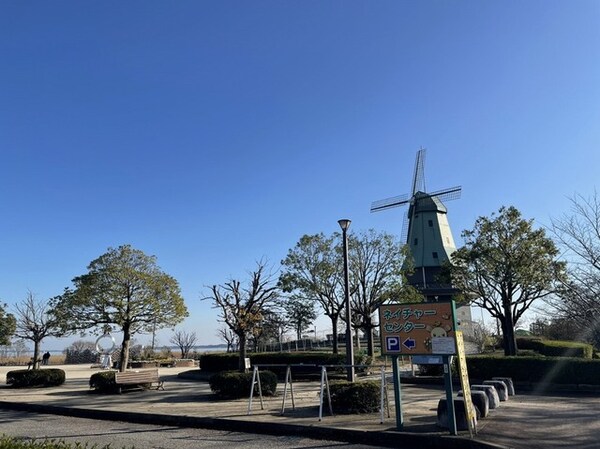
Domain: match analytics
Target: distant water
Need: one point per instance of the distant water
(200, 349)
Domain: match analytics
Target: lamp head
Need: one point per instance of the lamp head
(344, 224)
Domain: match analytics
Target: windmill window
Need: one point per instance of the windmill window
(416, 241)
(435, 255)
(431, 223)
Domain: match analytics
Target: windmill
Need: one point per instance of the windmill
(426, 231)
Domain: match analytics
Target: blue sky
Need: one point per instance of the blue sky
(212, 134)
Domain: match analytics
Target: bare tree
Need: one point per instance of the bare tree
(578, 233)
(185, 341)
(228, 336)
(35, 323)
(242, 308)
(19, 347)
(82, 345)
(481, 335)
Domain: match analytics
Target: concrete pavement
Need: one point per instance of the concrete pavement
(525, 421)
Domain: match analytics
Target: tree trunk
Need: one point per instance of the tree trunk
(508, 331)
(124, 357)
(36, 355)
(242, 348)
(334, 327)
(370, 341)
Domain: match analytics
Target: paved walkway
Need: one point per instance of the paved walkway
(525, 421)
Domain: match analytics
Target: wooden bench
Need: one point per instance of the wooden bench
(140, 378)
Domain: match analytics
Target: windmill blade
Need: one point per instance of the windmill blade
(404, 234)
(453, 193)
(419, 175)
(388, 203)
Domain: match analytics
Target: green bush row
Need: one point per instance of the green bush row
(559, 370)
(23, 378)
(555, 348)
(234, 385)
(215, 362)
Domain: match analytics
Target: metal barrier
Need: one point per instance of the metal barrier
(324, 387)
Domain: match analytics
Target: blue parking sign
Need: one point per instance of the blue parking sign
(392, 344)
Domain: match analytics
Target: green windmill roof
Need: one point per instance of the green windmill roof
(426, 203)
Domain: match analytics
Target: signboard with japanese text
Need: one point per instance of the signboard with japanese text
(424, 328)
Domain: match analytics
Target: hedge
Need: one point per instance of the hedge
(559, 370)
(215, 362)
(556, 348)
(219, 361)
(47, 377)
(355, 397)
(234, 385)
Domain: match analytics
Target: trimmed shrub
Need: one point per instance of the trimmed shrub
(567, 349)
(23, 378)
(530, 343)
(219, 361)
(559, 370)
(528, 353)
(431, 370)
(234, 385)
(104, 382)
(357, 397)
(556, 348)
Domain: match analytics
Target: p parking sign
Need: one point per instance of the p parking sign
(417, 329)
(392, 343)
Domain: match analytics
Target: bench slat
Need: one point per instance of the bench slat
(139, 377)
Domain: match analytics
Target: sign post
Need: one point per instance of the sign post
(397, 393)
(423, 329)
(464, 383)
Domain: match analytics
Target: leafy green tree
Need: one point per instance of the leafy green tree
(241, 308)
(300, 314)
(505, 266)
(313, 270)
(8, 325)
(34, 322)
(376, 276)
(124, 288)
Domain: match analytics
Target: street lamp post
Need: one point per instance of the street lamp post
(345, 224)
